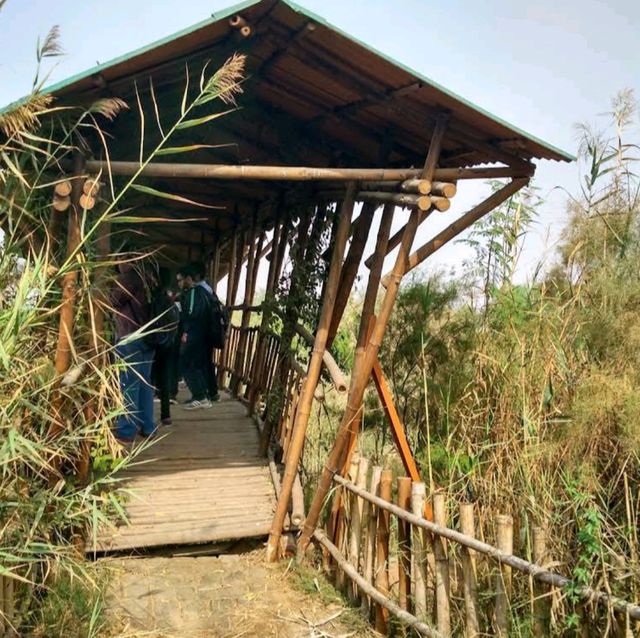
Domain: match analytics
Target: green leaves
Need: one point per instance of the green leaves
(147, 190)
(201, 120)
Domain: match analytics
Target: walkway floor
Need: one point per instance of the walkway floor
(201, 482)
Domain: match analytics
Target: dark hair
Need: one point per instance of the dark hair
(198, 269)
(186, 271)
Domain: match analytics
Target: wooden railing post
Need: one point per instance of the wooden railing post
(418, 552)
(467, 527)
(357, 512)
(541, 592)
(442, 567)
(382, 552)
(404, 544)
(370, 538)
(504, 532)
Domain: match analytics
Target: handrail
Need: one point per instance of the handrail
(522, 565)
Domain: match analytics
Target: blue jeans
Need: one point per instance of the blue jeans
(137, 391)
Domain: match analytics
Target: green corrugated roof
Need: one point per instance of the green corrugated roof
(225, 13)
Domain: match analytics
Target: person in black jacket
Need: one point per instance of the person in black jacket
(194, 347)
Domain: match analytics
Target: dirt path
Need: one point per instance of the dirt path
(227, 596)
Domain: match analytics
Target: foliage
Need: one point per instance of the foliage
(54, 421)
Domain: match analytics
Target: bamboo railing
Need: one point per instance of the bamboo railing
(433, 578)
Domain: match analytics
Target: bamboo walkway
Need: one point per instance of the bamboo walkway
(202, 482)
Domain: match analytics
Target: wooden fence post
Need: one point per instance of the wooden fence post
(442, 567)
(504, 543)
(382, 567)
(418, 552)
(357, 510)
(343, 532)
(370, 537)
(404, 544)
(541, 592)
(467, 527)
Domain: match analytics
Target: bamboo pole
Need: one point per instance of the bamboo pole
(313, 373)
(423, 202)
(418, 552)
(357, 514)
(370, 514)
(382, 552)
(240, 255)
(404, 544)
(372, 592)
(215, 265)
(470, 583)
(446, 189)
(350, 267)
(420, 186)
(343, 531)
(301, 173)
(504, 528)
(442, 567)
(362, 372)
(542, 601)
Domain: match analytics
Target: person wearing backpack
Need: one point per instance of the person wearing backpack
(163, 336)
(195, 348)
(129, 302)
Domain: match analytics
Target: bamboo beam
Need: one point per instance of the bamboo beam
(313, 373)
(362, 372)
(469, 218)
(299, 173)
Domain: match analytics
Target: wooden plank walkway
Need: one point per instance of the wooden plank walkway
(201, 482)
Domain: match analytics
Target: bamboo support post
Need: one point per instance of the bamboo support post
(7, 611)
(297, 502)
(362, 372)
(404, 544)
(470, 583)
(357, 513)
(313, 374)
(504, 533)
(343, 530)
(382, 552)
(442, 567)
(418, 552)
(301, 173)
(371, 517)
(542, 600)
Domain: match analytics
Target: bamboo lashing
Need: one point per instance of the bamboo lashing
(372, 592)
(299, 173)
(520, 564)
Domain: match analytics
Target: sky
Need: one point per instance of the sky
(542, 66)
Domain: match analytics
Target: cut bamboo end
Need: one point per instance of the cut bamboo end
(446, 189)
(237, 22)
(60, 204)
(63, 189)
(87, 202)
(91, 187)
(246, 31)
(441, 204)
(420, 186)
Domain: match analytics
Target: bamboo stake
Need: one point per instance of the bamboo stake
(2, 612)
(313, 373)
(542, 601)
(404, 544)
(362, 372)
(215, 265)
(382, 553)
(467, 527)
(442, 567)
(242, 241)
(504, 525)
(418, 552)
(372, 592)
(370, 513)
(301, 173)
(9, 606)
(357, 514)
(343, 531)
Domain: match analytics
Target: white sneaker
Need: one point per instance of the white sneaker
(198, 405)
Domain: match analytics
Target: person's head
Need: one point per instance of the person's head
(185, 278)
(198, 270)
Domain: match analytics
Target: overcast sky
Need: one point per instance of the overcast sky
(541, 66)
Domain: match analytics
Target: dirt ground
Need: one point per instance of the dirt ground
(228, 596)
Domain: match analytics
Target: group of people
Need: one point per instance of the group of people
(164, 331)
